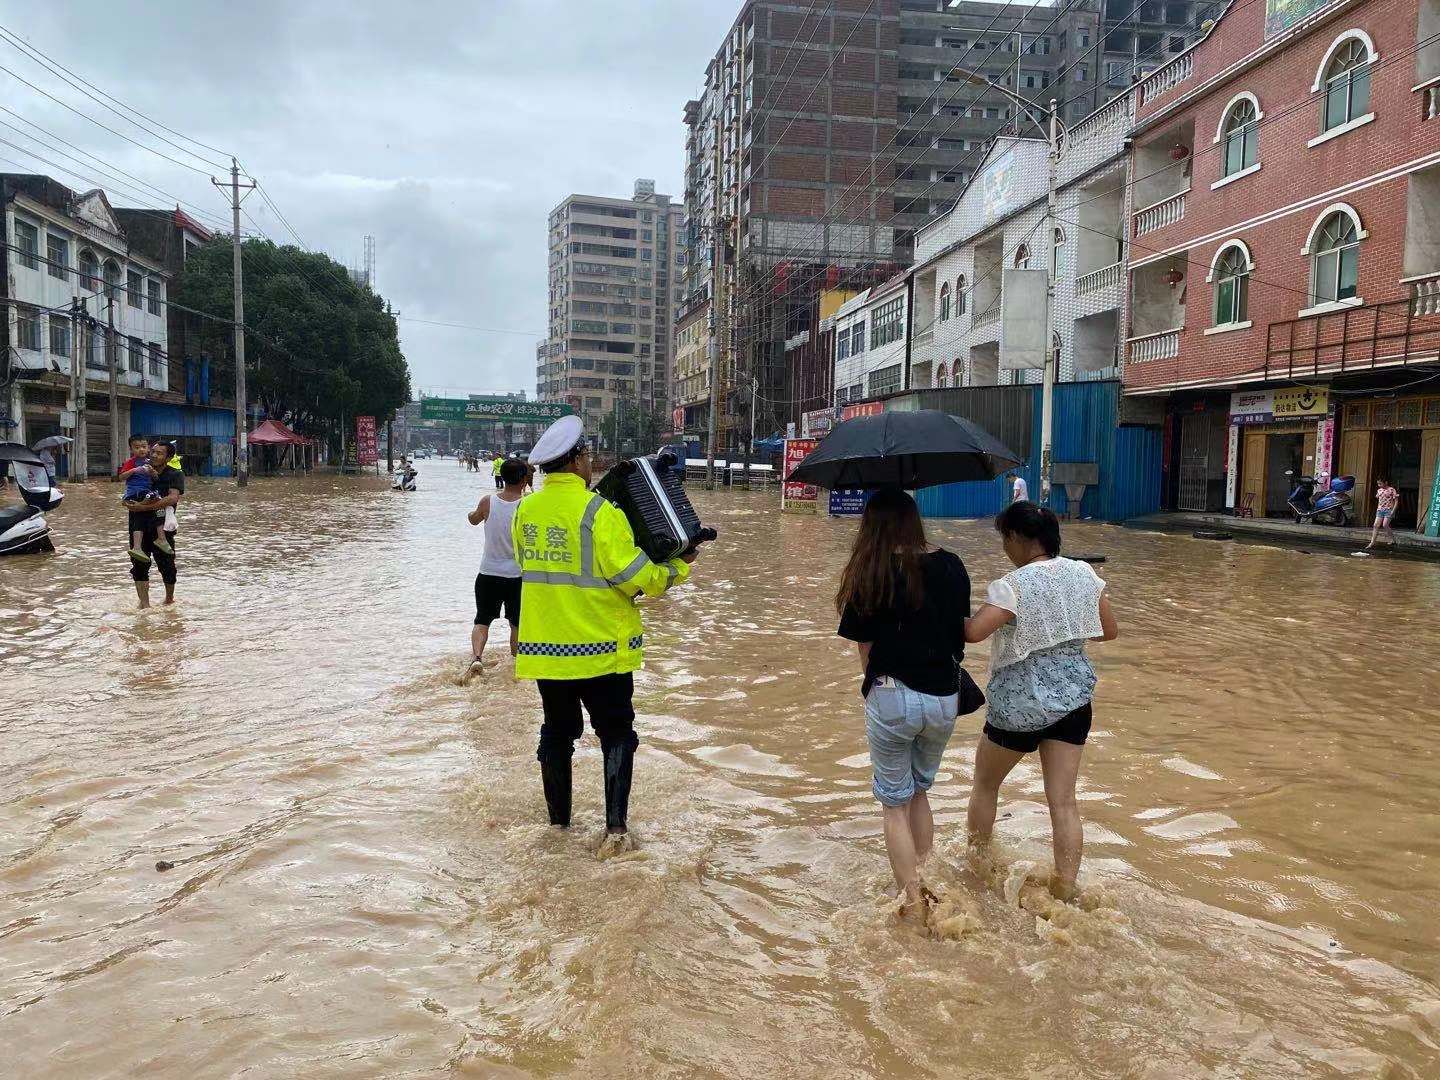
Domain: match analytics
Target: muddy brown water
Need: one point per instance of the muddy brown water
(364, 886)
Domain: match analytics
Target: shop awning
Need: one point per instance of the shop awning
(274, 433)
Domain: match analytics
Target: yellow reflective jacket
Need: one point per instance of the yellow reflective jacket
(580, 572)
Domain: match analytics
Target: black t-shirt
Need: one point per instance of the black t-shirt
(169, 480)
(922, 648)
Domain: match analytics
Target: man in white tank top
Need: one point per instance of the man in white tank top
(497, 586)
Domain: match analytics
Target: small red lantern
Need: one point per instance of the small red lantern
(1179, 152)
(1172, 278)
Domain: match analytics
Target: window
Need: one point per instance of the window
(1022, 257)
(59, 336)
(58, 252)
(1241, 135)
(842, 344)
(887, 324)
(1347, 85)
(111, 272)
(27, 329)
(1232, 285)
(1082, 39)
(1335, 259)
(885, 380)
(945, 302)
(133, 283)
(153, 288)
(1057, 243)
(941, 374)
(961, 299)
(157, 360)
(137, 354)
(27, 239)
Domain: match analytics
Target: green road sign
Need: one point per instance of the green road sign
(457, 410)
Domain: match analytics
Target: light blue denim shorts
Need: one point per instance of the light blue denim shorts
(907, 732)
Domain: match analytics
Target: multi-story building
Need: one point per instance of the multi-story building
(64, 247)
(1284, 258)
(615, 266)
(691, 385)
(828, 134)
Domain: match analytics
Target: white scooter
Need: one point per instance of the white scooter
(23, 529)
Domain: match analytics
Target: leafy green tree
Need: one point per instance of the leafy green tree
(320, 348)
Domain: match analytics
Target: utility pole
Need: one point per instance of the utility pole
(1047, 393)
(110, 357)
(717, 292)
(242, 450)
(79, 451)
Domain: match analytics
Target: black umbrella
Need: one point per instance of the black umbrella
(904, 449)
(14, 451)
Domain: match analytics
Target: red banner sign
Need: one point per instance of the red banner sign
(862, 408)
(367, 451)
(796, 450)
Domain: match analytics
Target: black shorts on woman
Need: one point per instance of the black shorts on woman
(1073, 728)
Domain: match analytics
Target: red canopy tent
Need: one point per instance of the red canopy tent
(274, 433)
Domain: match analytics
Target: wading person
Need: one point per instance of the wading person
(497, 585)
(495, 467)
(168, 485)
(1387, 499)
(581, 636)
(1041, 681)
(903, 603)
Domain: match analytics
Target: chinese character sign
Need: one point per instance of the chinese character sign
(797, 496)
(366, 450)
(459, 410)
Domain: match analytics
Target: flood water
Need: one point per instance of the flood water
(364, 884)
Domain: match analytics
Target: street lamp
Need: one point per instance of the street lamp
(1047, 394)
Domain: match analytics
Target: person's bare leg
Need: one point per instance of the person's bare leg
(900, 846)
(1060, 762)
(514, 639)
(479, 635)
(922, 826)
(1374, 532)
(142, 592)
(992, 764)
(169, 592)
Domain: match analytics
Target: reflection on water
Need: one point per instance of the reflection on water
(363, 884)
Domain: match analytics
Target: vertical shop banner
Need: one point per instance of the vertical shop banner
(366, 447)
(797, 496)
(1232, 465)
(1324, 452)
(1432, 515)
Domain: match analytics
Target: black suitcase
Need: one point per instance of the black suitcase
(651, 496)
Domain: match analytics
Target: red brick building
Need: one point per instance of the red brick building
(1285, 252)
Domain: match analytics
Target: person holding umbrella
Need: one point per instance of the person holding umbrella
(46, 449)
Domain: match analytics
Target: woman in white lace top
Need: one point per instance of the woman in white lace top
(1041, 682)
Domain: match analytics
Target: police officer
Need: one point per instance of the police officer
(580, 633)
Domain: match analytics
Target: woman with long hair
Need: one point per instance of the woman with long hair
(904, 604)
(1041, 681)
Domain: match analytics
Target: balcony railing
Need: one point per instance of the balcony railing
(1167, 78)
(1097, 280)
(1165, 212)
(1162, 346)
(989, 315)
(1394, 334)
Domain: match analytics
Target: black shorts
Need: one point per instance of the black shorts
(494, 593)
(1073, 728)
(165, 563)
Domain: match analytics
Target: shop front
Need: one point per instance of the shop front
(204, 437)
(1275, 436)
(1396, 438)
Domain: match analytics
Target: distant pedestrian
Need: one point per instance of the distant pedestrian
(904, 603)
(1387, 499)
(497, 586)
(1041, 681)
(1019, 490)
(495, 468)
(47, 458)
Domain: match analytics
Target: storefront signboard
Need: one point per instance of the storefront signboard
(365, 444)
(848, 502)
(797, 496)
(460, 410)
(817, 422)
(1324, 452)
(862, 408)
(1289, 403)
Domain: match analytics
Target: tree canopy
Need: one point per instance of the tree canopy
(320, 347)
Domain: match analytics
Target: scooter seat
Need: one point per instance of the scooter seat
(10, 516)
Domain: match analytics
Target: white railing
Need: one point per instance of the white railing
(1161, 346)
(1096, 280)
(1167, 78)
(1425, 295)
(1158, 215)
(989, 315)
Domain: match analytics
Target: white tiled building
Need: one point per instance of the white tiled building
(62, 247)
(953, 298)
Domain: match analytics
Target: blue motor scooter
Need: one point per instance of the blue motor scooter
(1332, 507)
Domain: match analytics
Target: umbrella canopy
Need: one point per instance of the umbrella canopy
(904, 449)
(19, 452)
(56, 441)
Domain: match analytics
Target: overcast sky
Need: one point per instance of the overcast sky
(447, 129)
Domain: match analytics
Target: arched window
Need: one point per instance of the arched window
(941, 374)
(944, 301)
(1347, 84)
(1058, 242)
(1241, 136)
(112, 276)
(1022, 257)
(89, 271)
(1231, 278)
(1335, 259)
(960, 295)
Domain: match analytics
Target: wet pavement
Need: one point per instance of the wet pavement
(363, 884)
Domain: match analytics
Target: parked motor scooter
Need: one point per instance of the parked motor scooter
(1332, 507)
(23, 529)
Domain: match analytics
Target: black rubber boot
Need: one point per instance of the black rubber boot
(619, 768)
(555, 776)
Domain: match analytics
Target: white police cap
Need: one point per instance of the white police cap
(558, 440)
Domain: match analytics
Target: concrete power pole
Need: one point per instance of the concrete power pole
(1047, 394)
(110, 358)
(242, 449)
(79, 450)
